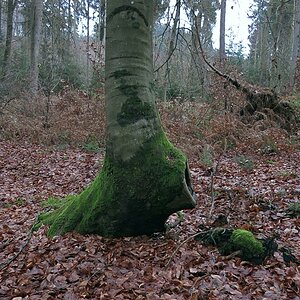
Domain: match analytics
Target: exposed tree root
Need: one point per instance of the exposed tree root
(260, 101)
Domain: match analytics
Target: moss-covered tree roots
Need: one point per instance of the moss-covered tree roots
(131, 197)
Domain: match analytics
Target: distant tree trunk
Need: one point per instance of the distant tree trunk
(197, 67)
(87, 42)
(171, 48)
(296, 41)
(11, 5)
(37, 9)
(264, 54)
(1, 34)
(222, 52)
(70, 23)
(144, 178)
(101, 27)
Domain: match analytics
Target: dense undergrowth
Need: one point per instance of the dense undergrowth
(74, 119)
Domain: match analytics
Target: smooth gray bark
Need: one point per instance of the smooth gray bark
(37, 10)
(222, 32)
(296, 41)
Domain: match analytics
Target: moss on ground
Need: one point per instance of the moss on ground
(244, 241)
(228, 241)
(294, 209)
(127, 198)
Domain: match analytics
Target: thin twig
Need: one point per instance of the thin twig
(182, 243)
(29, 235)
(212, 176)
(9, 261)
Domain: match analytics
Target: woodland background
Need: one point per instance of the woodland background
(52, 141)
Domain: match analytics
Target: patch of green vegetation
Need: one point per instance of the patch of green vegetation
(91, 144)
(231, 145)
(268, 146)
(16, 202)
(206, 157)
(294, 209)
(244, 162)
(63, 140)
(270, 162)
(53, 202)
(296, 103)
(91, 147)
(289, 174)
(239, 241)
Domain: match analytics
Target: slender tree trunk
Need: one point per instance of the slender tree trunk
(296, 41)
(144, 178)
(222, 52)
(37, 10)
(264, 57)
(1, 33)
(171, 47)
(88, 41)
(11, 5)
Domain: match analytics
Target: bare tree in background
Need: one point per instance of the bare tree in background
(222, 32)
(296, 40)
(11, 5)
(37, 10)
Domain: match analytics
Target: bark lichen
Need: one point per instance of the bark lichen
(133, 110)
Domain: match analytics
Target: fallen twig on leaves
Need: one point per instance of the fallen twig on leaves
(182, 243)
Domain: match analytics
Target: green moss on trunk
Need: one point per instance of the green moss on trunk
(129, 198)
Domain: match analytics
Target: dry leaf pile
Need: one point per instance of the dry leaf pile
(253, 189)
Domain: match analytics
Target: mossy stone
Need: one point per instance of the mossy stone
(244, 241)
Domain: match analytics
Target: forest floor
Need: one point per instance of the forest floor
(257, 178)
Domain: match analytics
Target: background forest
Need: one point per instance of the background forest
(232, 108)
(50, 47)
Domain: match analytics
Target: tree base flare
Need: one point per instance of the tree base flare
(129, 198)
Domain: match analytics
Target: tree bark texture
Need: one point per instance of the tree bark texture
(11, 4)
(1, 32)
(144, 178)
(222, 32)
(172, 45)
(37, 10)
(296, 41)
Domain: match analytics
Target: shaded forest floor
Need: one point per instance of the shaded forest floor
(257, 178)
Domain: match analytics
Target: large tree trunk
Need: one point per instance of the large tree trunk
(37, 9)
(144, 178)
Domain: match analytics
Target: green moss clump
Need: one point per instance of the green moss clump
(244, 241)
(294, 209)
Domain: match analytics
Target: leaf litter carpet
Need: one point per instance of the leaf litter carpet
(32, 266)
